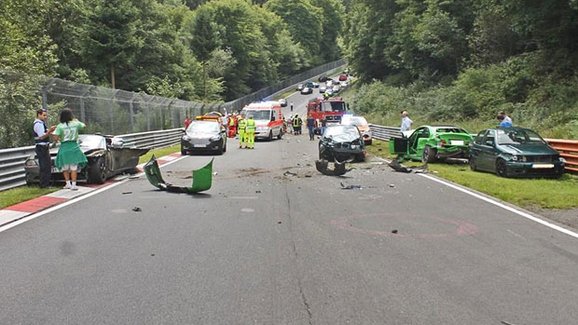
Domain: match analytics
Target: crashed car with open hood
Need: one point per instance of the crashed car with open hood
(107, 156)
(341, 143)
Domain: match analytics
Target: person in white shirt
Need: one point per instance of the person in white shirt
(405, 121)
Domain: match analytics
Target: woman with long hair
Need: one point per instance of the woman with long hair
(70, 158)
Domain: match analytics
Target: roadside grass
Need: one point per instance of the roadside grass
(159, 153)
(25, 193)
(535, 192)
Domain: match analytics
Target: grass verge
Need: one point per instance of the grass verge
(25, 193)
(536, 192)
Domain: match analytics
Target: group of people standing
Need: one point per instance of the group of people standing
(246, 131)
(70, 158)
(504, 121)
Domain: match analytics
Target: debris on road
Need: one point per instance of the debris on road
(394, 231)
(351, 187)
(202, 178)
(126, 192)
(136, 209)
(338, 168)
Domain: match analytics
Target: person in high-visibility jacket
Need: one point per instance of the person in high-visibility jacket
(241, 130)
(250, 132)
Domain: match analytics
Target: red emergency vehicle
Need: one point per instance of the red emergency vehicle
(331, 110)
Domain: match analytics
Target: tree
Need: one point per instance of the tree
(112, 41)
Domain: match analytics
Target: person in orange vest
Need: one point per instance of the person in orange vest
(241, 130)
(250, 132)
(232, 125)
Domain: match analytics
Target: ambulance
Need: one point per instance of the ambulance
(268, 119)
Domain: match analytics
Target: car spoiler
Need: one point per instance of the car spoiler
(202, 178)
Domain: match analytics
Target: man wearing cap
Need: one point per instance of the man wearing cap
(42, 142)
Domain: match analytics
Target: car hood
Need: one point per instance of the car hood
(528, 149)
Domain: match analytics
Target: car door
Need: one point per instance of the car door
(488, 153)
(417, 142)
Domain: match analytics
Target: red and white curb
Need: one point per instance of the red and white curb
(21, 210)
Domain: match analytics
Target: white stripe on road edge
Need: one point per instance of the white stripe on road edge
(80, 198)
(503, 206)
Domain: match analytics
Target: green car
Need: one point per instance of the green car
(431, 143)
(515, 152)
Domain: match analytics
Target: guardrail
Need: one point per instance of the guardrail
(568, 149)
(384, 133)
(12, 160)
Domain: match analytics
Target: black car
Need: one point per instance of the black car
(341, 143)
(514, 151)
(107, 157)
(204, 135)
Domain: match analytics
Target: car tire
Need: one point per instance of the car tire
(183, 152)
(220, 150)
(472, 164)
(224, 146)
(360, 158)
(280, 135)
(429, 154)
(97, 171)
(270, 137)
(501, 168)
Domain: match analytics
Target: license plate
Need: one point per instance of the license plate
(200, 145)
(457, 142)
(542, 165)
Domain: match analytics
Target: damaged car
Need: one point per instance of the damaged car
(432, 143)
(515, 152)
(107, 157)
(341, 143)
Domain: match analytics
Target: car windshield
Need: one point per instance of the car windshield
(518, 136)
(451, 130)
(264, 114)
(334, 106)
(203, 127)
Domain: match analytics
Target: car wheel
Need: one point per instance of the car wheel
(224, 146)
(360, 158)
(97, 171)
(280, 135)
(429, 154)
(472, 164)
(220, 150)
(183, 152)
(501, 168)
(270, 137)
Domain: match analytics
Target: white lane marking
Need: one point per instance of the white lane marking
(505, 207)
(67, 203)
(243, 197)
(247, 210)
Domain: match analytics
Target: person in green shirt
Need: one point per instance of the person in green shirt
(69, 157)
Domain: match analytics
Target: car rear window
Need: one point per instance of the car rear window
(451, 130)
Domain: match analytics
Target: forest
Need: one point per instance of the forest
(458, 61)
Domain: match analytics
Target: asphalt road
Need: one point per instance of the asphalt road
(276, 242)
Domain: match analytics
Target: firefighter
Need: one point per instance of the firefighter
(250, 132)
(295, 122)
(241, 130)
(232, 125)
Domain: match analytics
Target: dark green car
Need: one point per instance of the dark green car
(431, 143)
(514, 152)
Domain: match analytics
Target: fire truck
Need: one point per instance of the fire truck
(331, 110)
